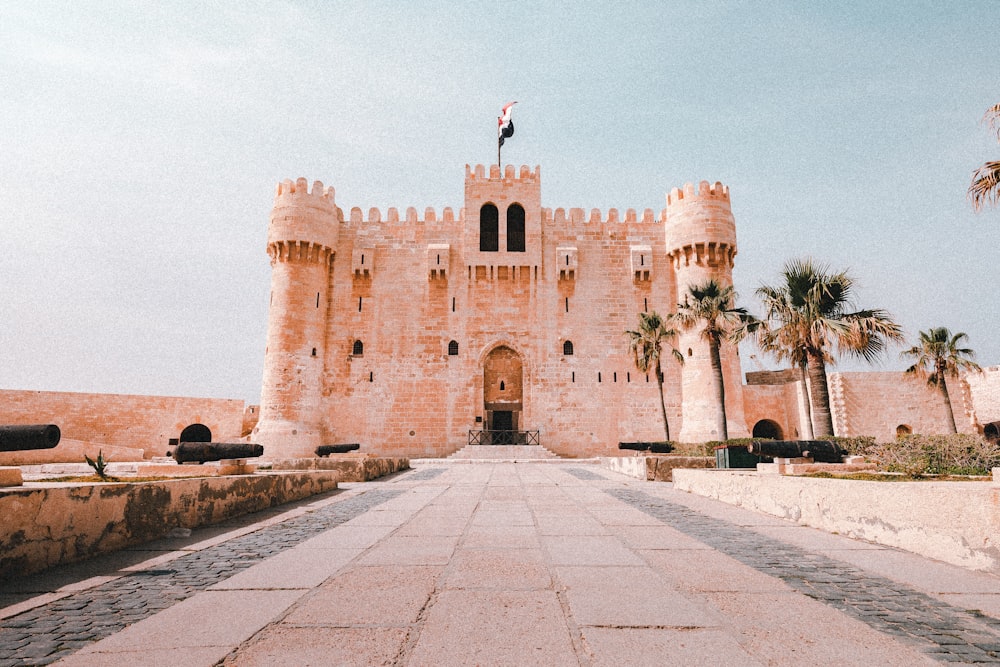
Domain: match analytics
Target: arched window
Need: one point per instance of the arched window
(515, 228)
(359, 349)
(489, 228)
(903, 430)
(453, 348)
(568, 348)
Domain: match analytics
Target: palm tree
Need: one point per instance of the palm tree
(711, 305)
(937, 356)
(646, 344)
(985, 187)
(810, 316)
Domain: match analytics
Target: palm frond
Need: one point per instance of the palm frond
(985, 186)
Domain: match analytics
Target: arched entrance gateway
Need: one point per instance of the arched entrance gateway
(503, 397)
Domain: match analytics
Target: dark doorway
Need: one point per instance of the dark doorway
(196, 433)
(766, 428)
(503, 430)
(503, 420)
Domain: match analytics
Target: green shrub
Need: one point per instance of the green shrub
(956, 454)
(858, 445)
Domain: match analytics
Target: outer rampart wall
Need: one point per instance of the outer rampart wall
(876, 403)
(985, 390)
(145, 422)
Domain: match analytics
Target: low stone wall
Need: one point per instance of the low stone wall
(52, 524)
(654, 468)
(71, 451)
(352, 468)
(956, 522)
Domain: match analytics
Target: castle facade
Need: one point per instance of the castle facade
(417, 334)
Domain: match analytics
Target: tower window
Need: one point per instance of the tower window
(515, 228)
(314, 352)
(489, 228)
(359, 349)
(453, 348)
(568, 348)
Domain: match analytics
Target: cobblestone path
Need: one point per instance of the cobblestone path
(47, 633)
(944, 632)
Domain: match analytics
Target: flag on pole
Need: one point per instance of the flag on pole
(505, 125)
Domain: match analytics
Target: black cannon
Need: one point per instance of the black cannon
(17, 438)
(326, 450)
(201, 452)
(821, 451)
(992, 431)
(659, 447)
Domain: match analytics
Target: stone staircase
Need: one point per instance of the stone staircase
(504, 453)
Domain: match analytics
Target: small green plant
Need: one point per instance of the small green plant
(100, 466)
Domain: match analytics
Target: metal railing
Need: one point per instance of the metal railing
(504, 437)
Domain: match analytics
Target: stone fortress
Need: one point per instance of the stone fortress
(413, 335)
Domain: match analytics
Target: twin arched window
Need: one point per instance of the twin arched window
(489, 228)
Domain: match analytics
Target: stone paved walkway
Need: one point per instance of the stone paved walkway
(505, 564)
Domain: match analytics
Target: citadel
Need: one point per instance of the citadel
(416, 335)
(420, 335)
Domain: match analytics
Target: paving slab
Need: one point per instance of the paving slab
(630, 597)
(495, 628)
(382, 595)
(287, 646)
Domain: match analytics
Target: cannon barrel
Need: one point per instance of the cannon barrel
(201, 452)
(17, 438)
(326, 450)
(821, 451)
(635, 446)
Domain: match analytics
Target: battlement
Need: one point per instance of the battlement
(492, 173)
(299, 189)
(578, 216)
(680, 197)
(375, 217)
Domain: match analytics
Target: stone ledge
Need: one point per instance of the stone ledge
(352, 467)
(654, 468)
(48, 524)
(956, 522)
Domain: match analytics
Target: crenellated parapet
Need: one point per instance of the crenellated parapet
(578, 216)
(410, 216)
(304, 223)
(480, 173)
(700, 228)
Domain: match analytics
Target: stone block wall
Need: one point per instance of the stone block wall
(124, 420)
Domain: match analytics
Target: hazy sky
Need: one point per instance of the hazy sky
(140, 144)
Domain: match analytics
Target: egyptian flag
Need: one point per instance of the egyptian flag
(505, 126)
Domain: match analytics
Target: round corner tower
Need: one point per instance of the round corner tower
(301, 242)
(701, 244)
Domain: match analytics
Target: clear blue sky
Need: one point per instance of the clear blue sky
(141, 143)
